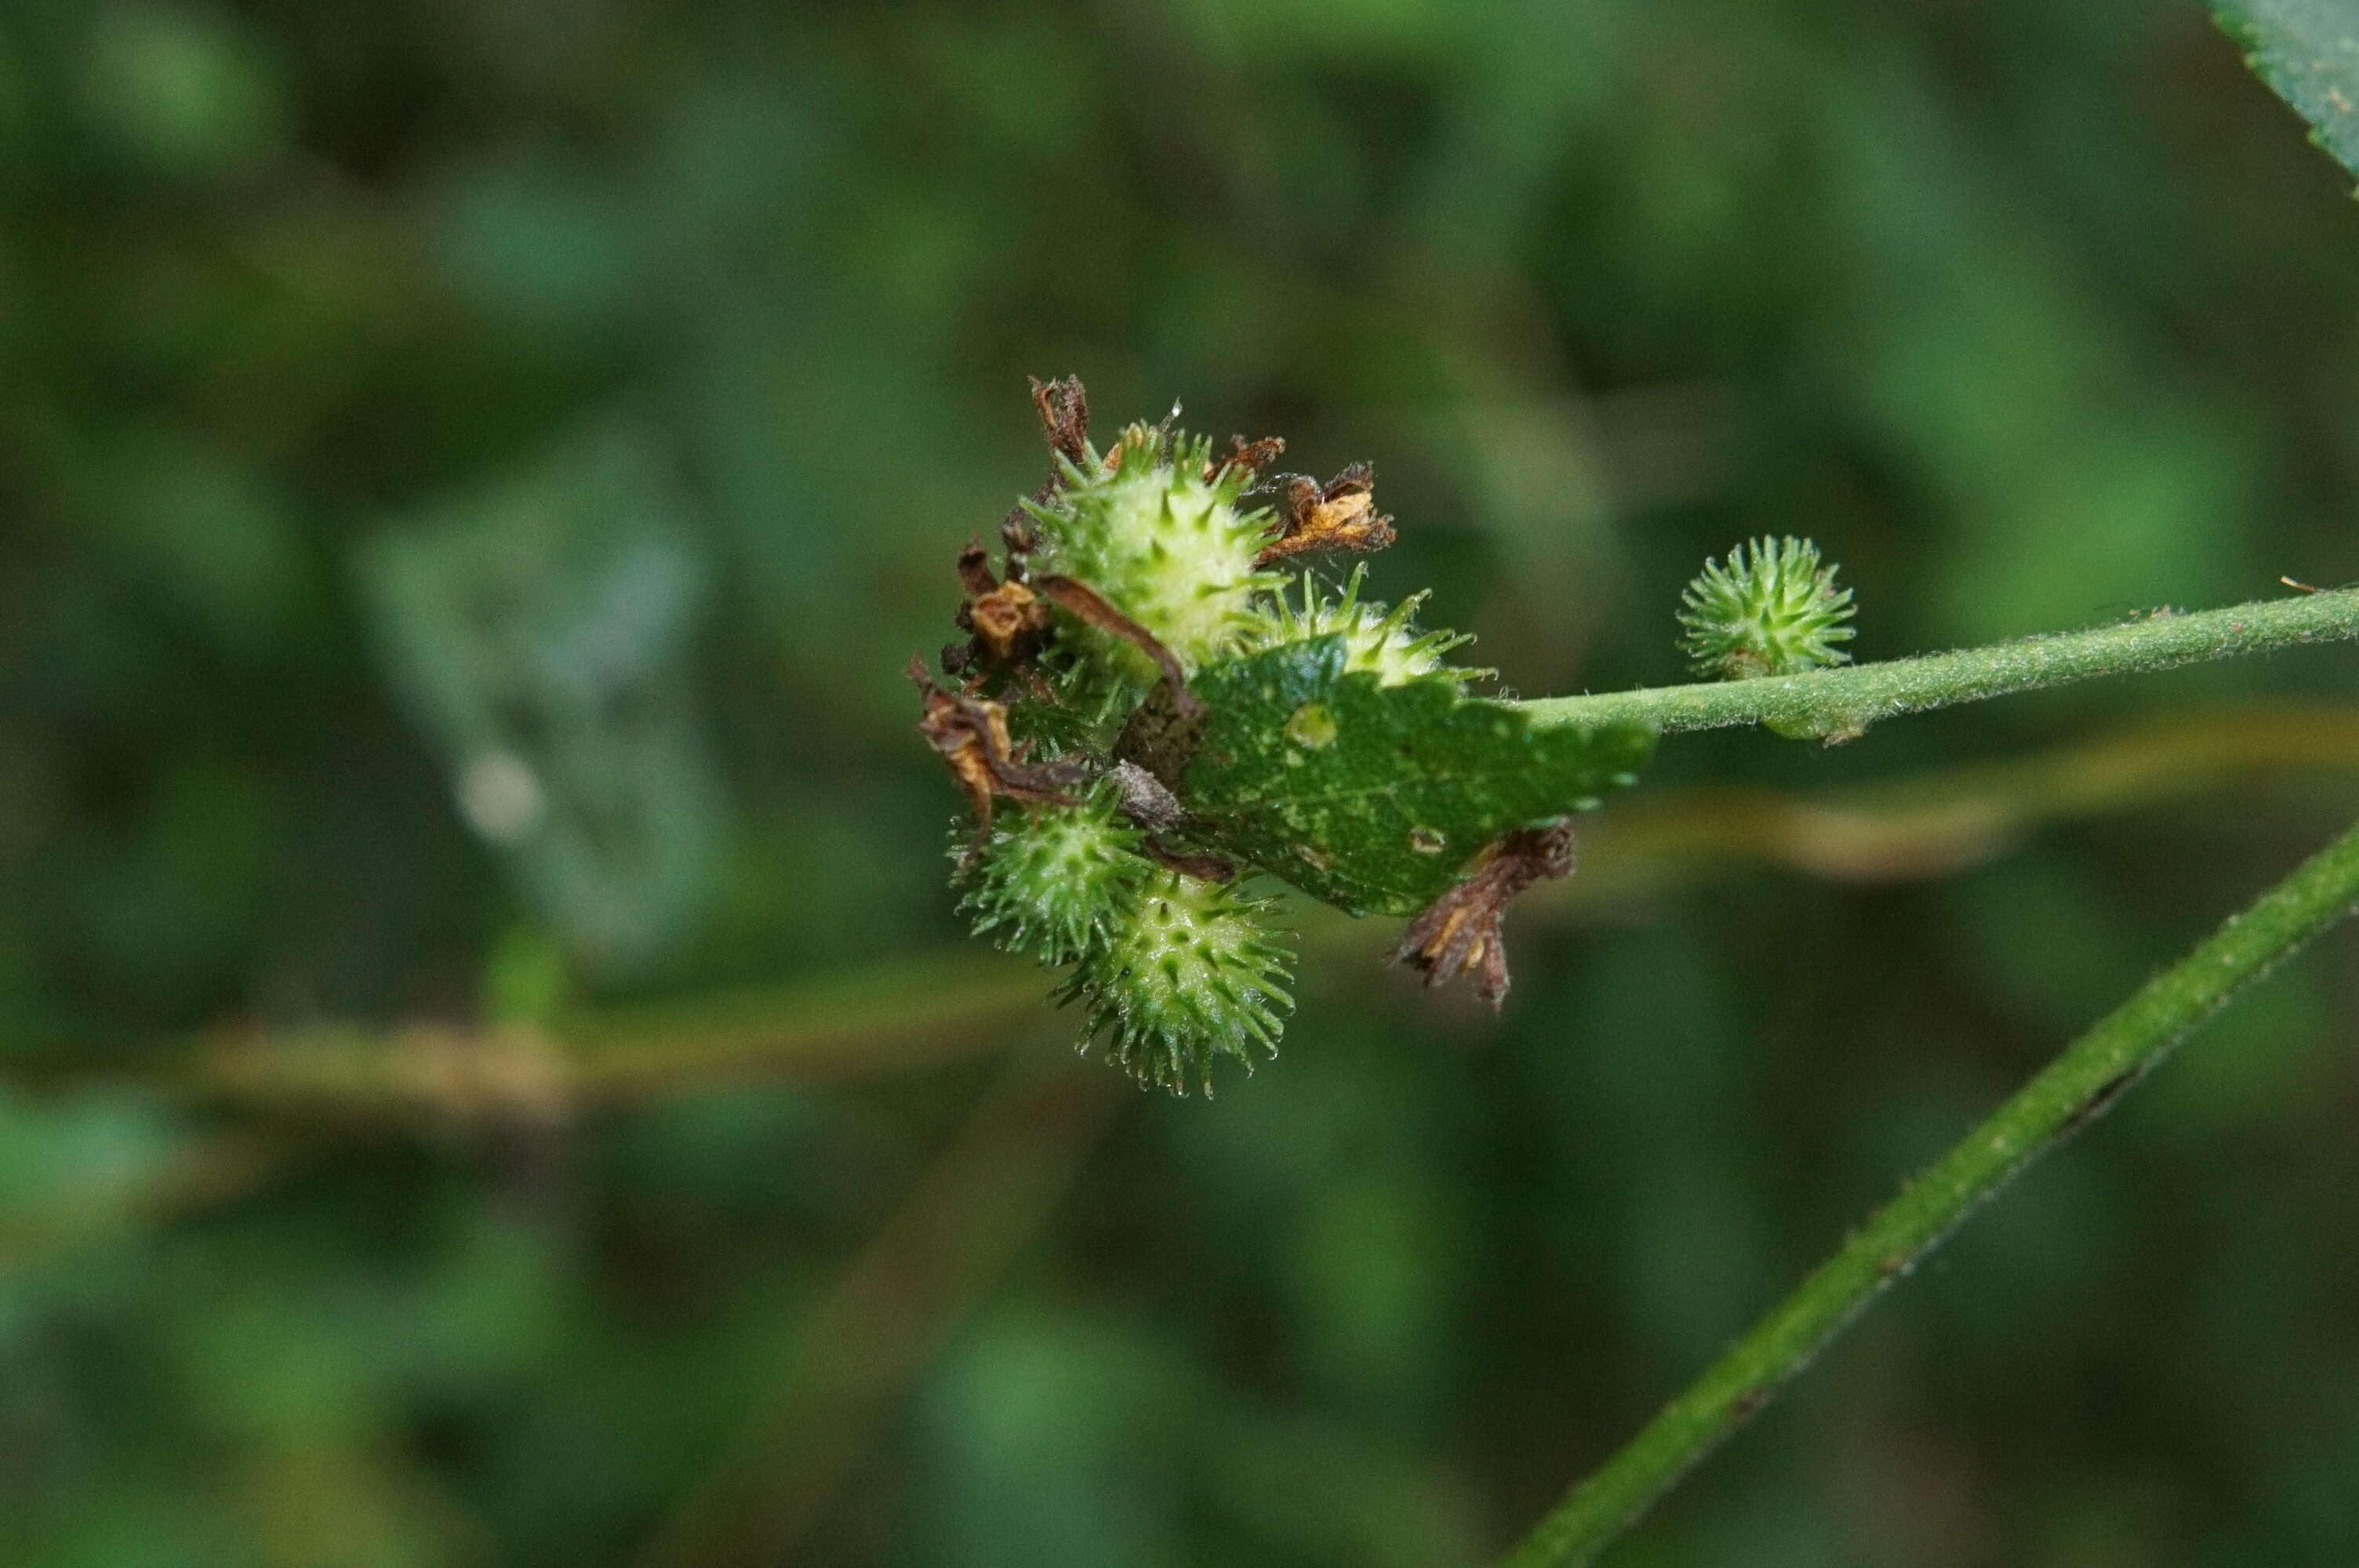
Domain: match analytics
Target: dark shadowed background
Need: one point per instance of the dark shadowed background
(489, 1070)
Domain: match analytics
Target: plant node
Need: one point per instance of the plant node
(1195, 724)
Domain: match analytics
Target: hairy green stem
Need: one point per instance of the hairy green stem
(1837, 704)
(2073, 1090)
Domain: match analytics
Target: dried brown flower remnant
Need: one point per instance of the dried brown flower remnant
(1064, 417)
(1338, 515)
(970, 734)
(1248, 457)
(1008, 621)
(1064, 411)
(1458, 933)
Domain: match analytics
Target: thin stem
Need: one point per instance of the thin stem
(2075, 1089)
(851, 1358)
(1839, 704)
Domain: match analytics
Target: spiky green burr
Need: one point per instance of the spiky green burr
(1773, 610)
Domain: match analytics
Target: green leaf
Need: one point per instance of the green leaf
(2308, 52)
(1376, 797)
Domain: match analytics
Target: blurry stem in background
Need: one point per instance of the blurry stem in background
(204, 1170)
(854, 1354)
(923, 1011)
(1936, 824)
(2080, 1085)
(1839, 704)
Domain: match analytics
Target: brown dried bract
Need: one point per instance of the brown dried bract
(1078, 599)
(1457, 934)
(1338, 515)
(972, 736)
(1203, 867)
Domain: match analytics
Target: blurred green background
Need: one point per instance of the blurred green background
(489, 1073)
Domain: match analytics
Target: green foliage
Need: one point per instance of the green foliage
(1374, 796)
(1772, 610)
(2309, 51)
